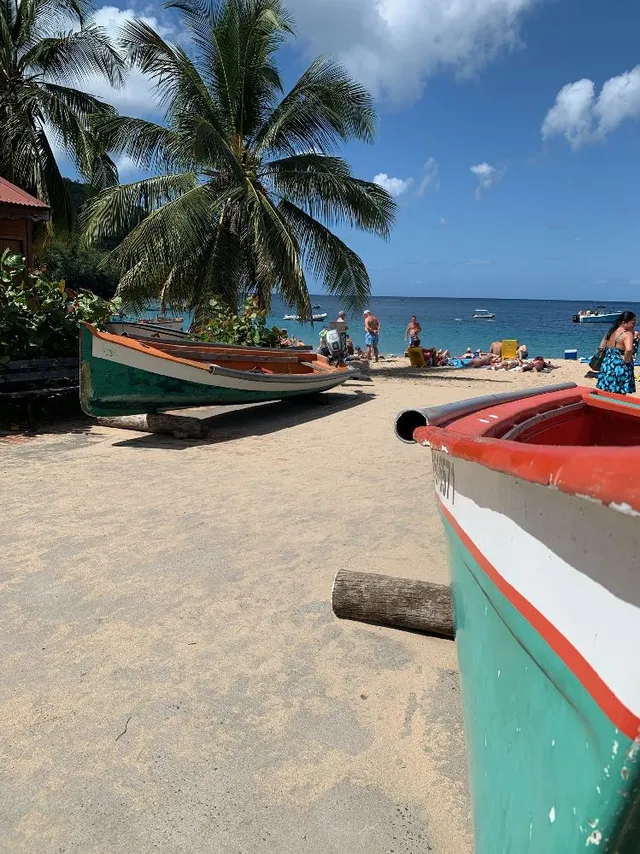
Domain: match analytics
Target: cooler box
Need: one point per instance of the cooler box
(571, 354)
(416, 357)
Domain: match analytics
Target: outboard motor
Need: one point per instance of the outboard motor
(336, 345)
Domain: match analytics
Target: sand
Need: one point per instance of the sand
(173, 677)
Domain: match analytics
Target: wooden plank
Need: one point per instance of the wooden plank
(39, 392)
(40, 364)
(11, 377)
(398, 602)
(212, 358)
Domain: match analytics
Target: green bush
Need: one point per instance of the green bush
(80, 267)
(248, 328)
(39, 317)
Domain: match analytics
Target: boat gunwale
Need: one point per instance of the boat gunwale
(212, 368)
(568, 468)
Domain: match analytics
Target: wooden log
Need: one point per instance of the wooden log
(398, 602)
(179, 426)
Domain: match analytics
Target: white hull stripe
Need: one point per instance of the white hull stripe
(151, 364)
(602, 627)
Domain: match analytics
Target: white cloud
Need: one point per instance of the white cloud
(488, 176)
(393, 46)
(478, 262)
(634, 281)
(583, 117)
(443, 221)
(394, 186)
(430, 176)
(136, 96)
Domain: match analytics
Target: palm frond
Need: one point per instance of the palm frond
(149, 145)
(337, 266)
(323, 186)
(76, 57)
(324, 107)
(118, 210)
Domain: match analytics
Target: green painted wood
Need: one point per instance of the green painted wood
(110, 389)
(550, 773)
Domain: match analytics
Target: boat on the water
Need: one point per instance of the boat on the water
(595, 315)
(483, 314)
(539, 493)
(123, 376)
(322, 316)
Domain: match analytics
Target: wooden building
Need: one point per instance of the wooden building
(18, 212)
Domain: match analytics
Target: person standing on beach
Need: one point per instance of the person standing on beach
(616, 372)
(412, 332)
(371, 335)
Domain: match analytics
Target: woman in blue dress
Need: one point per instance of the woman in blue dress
(616, 372)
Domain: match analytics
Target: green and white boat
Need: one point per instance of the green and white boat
(540, 498)
(124, 376)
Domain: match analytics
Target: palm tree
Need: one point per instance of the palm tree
(245, 186)
(47, 47)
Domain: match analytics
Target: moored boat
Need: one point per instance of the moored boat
(296, 317)
(595, 315)
(482, 314)
(123, 376)
(540, 498)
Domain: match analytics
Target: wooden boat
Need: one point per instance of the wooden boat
(122, 376)
(540, 498)
(162, 336)
(147, 330)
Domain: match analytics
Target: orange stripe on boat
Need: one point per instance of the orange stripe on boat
(622, 717)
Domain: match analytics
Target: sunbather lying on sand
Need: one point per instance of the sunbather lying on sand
(537, 364)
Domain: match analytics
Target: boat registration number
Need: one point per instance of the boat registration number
(444, 476)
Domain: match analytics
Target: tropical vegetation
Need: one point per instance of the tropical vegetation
(38, 316)
(247, 327)
(244, 186)
(50, 49)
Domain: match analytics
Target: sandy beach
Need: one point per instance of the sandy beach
(174, 678)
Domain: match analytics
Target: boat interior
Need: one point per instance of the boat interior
(262, 361)
(585, 417)
(596, 420)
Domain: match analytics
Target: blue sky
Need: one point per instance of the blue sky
(515, 171)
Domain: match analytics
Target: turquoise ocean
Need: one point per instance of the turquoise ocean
(545, 326)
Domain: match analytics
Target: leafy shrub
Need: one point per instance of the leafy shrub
(39, 317)
(80, 267)
(248, 328)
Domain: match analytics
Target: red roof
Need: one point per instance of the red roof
(12, 195)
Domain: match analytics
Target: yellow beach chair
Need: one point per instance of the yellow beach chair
(509, 349)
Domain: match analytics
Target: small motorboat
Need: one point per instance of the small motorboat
(316, 306)
(483, 314)
(123, 376)
(595, 315)
(539, 493)
(299, 319)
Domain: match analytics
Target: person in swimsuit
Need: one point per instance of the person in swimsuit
(616, 372)
(412, 332)
(371, 335)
